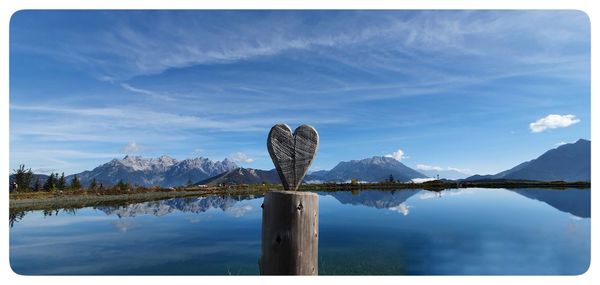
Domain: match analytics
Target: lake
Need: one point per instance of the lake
(368, 232)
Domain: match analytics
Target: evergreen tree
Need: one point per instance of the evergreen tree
(50, 184)
(75, 184)
(189, 182)
(61, 184)
(391, 179)
(36, 185)
(23, 177)
(101, 187)
(121, 185)
(93, 184)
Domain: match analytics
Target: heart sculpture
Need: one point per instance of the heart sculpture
(292, 154)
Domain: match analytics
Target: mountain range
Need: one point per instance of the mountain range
(164, 171)
(568, 162)
(374, 169)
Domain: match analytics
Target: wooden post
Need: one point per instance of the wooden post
(290, 233)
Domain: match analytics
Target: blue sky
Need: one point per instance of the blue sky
(479, 91)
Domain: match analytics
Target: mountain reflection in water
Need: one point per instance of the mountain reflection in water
(185, 205)
(574, 201)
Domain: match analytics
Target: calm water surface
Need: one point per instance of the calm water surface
(466, 231)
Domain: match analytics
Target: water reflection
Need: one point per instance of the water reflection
(392, 200)
(574, 201)
(158, 208)
(185, 205)
(459, 231)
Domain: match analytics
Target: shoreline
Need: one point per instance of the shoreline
(76, 201)
(28, 201)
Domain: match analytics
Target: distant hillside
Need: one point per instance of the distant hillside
(243, 176)
(374, 169)
(568, 162)
(41, 177)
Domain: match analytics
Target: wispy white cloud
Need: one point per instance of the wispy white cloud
(126, 122)
(397, 155)
(429, 167)
(58, 159)
(164, 40)
(131, 147)
(553, 121)
(461, 170)
(426, 167)
(146, 92)
(241, 157)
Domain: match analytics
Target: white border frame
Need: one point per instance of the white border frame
(9, 7)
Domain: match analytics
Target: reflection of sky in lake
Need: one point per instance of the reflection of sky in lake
(466, 231)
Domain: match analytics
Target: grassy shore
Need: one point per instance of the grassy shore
(79, 199)
(26, 201)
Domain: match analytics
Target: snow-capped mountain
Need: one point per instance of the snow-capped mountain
(138, 163)
(164, 171)
(374, 169)
(196, 169)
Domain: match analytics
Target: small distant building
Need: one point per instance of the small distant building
(202, 186)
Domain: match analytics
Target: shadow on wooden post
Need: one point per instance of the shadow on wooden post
(290, 233)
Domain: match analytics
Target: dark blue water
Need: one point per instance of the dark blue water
(467, 231)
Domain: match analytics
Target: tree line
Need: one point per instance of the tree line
(24, 180)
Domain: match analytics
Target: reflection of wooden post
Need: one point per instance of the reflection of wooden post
(290, 233)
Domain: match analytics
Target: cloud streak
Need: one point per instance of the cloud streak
(146, 92)
(163, 40)
(426, 167)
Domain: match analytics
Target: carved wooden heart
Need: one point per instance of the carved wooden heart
(292, 154)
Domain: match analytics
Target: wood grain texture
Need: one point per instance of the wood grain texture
(292, 154)
(290, 233)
